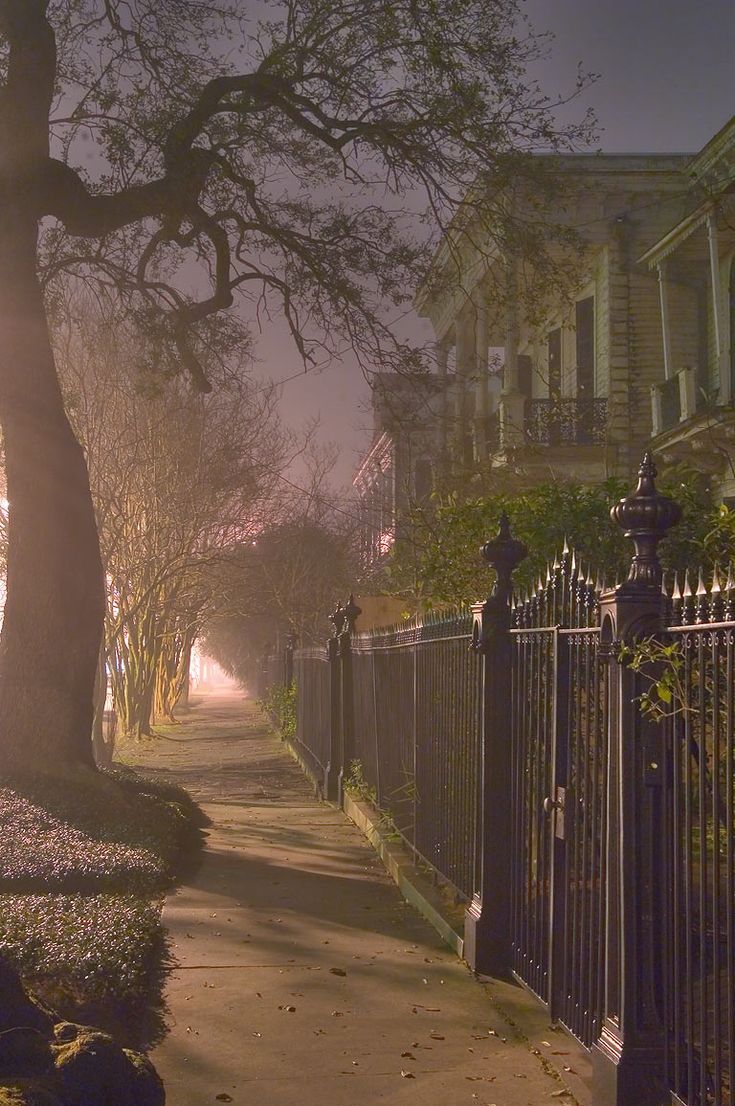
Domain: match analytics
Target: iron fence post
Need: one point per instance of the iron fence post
(288, 660)
(347, 698)
(335, 764)
(487, 920)
(628, 1058)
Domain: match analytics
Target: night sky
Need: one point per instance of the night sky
(666, 84)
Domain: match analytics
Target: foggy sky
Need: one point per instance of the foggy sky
(666, 84)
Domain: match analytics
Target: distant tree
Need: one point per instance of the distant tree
(176, 478)
(284, 582)
(167, 145)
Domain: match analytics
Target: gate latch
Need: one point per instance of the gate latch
(556, 807)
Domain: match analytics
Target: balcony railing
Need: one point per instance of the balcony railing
(566, 421)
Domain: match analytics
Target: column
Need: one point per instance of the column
(512, 403)
(628, 1058)
(482, 406)
(714, 264)
(487, 920)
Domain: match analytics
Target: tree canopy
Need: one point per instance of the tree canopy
(275, 155)
(268, 162)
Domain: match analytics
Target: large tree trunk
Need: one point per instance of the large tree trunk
(55, 606)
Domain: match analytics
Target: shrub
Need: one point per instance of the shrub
(279, 703)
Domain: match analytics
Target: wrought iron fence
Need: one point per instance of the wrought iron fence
(414, 741)
(699, 745)
(313, 708)
(566, 421)
(566, 759)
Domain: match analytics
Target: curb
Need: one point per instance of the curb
(415, 888)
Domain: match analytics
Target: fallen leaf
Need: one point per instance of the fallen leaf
(338, 971)
(224, 1098)
(407, 1074)
(436, 1037)
(407, 1056)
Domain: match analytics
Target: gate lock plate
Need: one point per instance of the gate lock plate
(555, 807)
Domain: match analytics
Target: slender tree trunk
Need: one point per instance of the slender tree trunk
(55, 606)
(184, 677)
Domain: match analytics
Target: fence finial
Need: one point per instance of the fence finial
(504, 553)
(645, 516)
(351, 613)
(337, 618)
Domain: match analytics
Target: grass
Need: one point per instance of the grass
(85, 861)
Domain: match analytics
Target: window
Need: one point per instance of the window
(554, 346)
(585, 339)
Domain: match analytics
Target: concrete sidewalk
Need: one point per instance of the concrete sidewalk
(302, 975)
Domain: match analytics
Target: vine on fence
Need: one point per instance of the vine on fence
(279, 703)
(661, 664)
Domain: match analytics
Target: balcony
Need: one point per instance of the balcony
(675, 400)
(563, 422)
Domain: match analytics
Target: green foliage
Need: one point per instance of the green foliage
(279, 703)
(661, 666)
(95, 946)
(84, 854)
(92, 831)
(438, 562)
(357, 786)
(45, 853)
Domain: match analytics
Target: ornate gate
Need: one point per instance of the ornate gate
(559, 809)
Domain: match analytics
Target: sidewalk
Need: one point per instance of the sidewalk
(302, 974)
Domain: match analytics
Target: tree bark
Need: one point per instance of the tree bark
(54, 613)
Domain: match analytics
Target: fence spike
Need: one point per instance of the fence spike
(548, 573)
(573, 565)
(716, 604)
(686, 592)
(701, 586)
(716, 584)
(676, 590)
(730, 594)
(664, 585)
(590, 581)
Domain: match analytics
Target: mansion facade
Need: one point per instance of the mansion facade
(634, 350)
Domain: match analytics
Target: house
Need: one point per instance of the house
(693, 397)
(542, 370)
(579, 355)
(400, 467)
